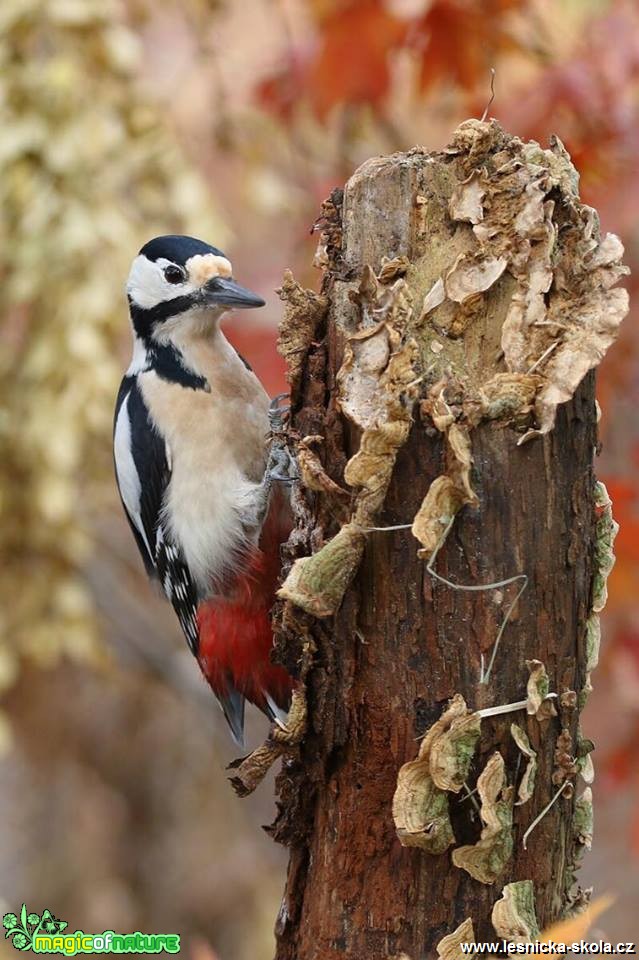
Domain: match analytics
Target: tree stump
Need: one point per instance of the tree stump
(444, 379)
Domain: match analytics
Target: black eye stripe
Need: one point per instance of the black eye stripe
(174, 274)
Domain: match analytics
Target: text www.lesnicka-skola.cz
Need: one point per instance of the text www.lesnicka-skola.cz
(584, 948)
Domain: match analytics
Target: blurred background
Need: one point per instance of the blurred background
(233, 121)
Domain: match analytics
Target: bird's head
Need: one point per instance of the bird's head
(176, 281)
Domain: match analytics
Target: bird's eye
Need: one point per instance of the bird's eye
(174, 274)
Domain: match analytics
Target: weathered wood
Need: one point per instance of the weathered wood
(401, 643)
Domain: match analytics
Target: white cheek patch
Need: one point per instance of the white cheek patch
(147, 286)
(203, 267)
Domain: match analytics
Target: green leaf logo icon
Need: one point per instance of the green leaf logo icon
(22, 929)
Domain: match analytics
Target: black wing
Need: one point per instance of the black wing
(143, 473)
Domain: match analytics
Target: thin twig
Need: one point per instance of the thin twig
(470, 795)
(543, 813)
(478, 588)
(503, 708)
(470, 588)
(398, 526)
(507, 707)
(546, 353)
(492, 94)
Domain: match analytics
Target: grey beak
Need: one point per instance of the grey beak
(224, 292)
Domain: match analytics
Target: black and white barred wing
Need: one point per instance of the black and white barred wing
(177, 584)
(143, 474)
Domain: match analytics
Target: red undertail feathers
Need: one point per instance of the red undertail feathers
(236, 636)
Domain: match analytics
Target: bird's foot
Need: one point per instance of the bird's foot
(281, 465)
(278, 412)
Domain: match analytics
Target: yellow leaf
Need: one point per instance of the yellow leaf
(567, 931)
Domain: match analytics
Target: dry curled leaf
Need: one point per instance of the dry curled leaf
(449, 492)
(372, 466)
(248, 772)
(459, 461)
(420, 811)
(486, 860)
(434, 298)
(452, 746)
(374, 388)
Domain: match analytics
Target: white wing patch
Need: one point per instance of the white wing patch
(128, 479)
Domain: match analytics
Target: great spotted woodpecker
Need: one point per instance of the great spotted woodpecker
(197, 478)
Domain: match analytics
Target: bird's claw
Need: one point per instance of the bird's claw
(277, 413)
(281, 465)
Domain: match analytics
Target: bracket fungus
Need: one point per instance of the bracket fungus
(539, 703)
(420, 804)
(583, 819)
(486, 860)
(527, 785)
(449, 947)
(606, 530)
(514, 916)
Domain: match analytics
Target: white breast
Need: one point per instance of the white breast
(217, 448)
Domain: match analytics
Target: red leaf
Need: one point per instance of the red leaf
(352, 65)
(348, 66)
(460, 41)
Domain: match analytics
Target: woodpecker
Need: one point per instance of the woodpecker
(206, 497)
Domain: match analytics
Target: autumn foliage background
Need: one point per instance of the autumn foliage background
(233, 121)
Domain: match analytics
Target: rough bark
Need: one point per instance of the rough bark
(402, 644)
